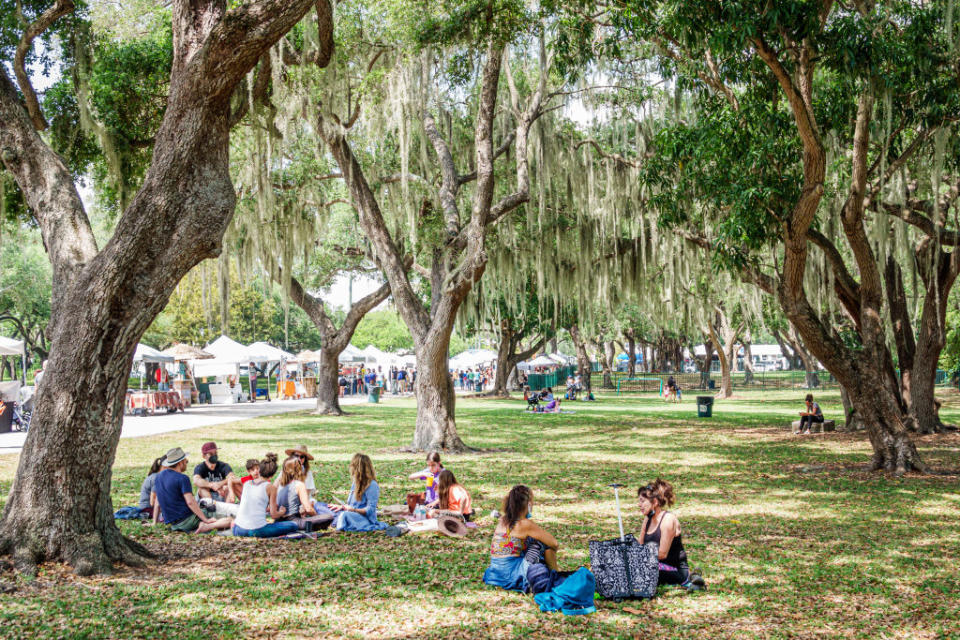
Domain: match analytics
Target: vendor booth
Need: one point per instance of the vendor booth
(222, 372)
(163, 398)
(10, 391)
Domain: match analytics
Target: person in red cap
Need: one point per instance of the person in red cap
(213, 477)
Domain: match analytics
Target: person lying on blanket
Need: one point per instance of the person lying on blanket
(259, 496)
(360, 512)
(523, 556)
(173, 497)
(663, 528)
(550, 404)
(453, 497)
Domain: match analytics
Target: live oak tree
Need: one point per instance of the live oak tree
(831, 134)
(59, 507)
(452, 256)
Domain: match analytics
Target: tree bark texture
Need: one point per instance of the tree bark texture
(706, 363)
(583, 359)
(631, 353)
(59, 506)
(508, 357)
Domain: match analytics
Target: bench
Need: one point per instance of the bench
(816, 427)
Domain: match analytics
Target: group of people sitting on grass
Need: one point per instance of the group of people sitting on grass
(523, 555)
(541, 401)
(283, 492)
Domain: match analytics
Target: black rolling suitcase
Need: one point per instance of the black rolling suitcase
(623, 567)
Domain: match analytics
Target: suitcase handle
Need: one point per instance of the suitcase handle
(616, 494)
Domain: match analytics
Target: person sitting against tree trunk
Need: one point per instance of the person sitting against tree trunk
(259, 497)
(173, 497)
(523, 556)
(453, 497)
(360, 511)
(809, 416)
(214, 477)
(663, 528)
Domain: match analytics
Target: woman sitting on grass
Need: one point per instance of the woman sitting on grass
(259, 496)
(551, 404)
(296, 497)
(523, 556)
(360, 512)
(662, 527)
(453, 497)
(146, 489)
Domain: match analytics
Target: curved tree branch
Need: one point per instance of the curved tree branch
(60, 8)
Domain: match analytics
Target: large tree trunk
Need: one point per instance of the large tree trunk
(328, 382)
(747, 358)
(436, 402)
(607, 362)
(631, 353)
(723, 335)
(59, 506)
(706, 363)
(504, 351)
(508, 358)
(333, 340)
(918, 358)
(852, 421)
(583, 360)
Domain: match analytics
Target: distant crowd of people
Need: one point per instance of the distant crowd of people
(359, 380)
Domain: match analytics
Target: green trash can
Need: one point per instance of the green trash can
(374, 395)
(705, 406)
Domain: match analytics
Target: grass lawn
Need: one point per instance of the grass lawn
(794, 537)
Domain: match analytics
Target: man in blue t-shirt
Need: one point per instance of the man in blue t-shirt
(173, 495)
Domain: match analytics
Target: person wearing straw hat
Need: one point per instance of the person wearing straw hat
(300, 451)
(173, 497)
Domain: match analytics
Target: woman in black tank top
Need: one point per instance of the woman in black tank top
(662, 527)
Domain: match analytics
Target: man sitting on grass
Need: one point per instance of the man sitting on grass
(214, 478)
(173, 496)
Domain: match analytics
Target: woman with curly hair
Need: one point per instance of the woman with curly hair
(662, 527)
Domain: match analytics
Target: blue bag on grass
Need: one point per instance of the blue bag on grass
(574, 596)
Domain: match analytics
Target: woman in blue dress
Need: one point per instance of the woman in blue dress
(360, 512)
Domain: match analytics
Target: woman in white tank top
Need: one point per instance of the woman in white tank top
(259, 496)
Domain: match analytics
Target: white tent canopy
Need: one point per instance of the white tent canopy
(11, 347)
(559, 358)
(275, 354)
(373, 355)
(472, 358)
(542, 361)
(351, 354)
(145, 353)
(229, 355)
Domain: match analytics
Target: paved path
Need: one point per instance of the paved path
(196, 416)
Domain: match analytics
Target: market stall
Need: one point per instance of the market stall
(185, 382)
(10, 390)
